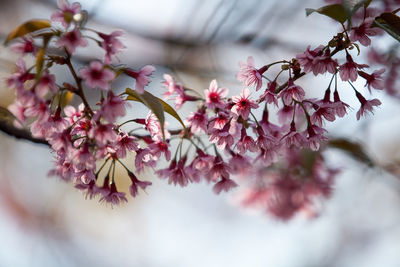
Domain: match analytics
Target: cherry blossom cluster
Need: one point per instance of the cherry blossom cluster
(258, 137)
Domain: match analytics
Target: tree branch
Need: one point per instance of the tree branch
(20, 133)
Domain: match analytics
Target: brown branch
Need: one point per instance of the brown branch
(20, 133)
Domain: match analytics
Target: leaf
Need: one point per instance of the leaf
(167, 108)
(6, 115)
(336, 12)
(353, 149)
(27, 27)
(151, 102)
(390, 23)
(351, 6)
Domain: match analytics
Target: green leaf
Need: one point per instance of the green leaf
(27, 27)
(351, 6)
(151, 102)
(353, 149)
(167, 108)
(336, 12)
(390, 23)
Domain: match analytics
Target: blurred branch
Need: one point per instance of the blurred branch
(20, 133)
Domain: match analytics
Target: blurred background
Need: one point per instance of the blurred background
(46, 222)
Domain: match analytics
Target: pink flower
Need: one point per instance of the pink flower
(249, 75)
(315, 137)
(219, 169)
(142, 77)
(317, 61)
(133, 189)
(171, 86)
(157, 148)
(46, 83)
(243, 104)
(39, 109)
(214, 96)
(245, 143)
(269, 95)
(225, 184)
(322, 110)
(221, 137)
(67, 12)
(197, 121)
(125, 143)
(144, 158)
(111, 44)
(18, 79)
(25, 47)
(113, 196)
(18, 110)
(339, 107)
(348, 71)
(91, 189)
(202, 161)
(103, 134)
(111, 108)
(85, 176)
(95, 75)
(285, 114)
(366, 105)
(293, 138)
(292, 92)
(153, 126)
(175, 173)
(374, 79)
(362, 32)
(71, 40)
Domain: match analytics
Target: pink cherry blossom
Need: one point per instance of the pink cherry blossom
(66, 12)
(111, 108)
(124, 144)
(91, 189)
(366, 105)
(113, 196)
(219, 169)
(144, 158)
(339, 107)
(225, 184)
(318, 61)
(362, 32)
(221, 137)
(243, 104)
(71, 40)
(133, 189)
(141, 77)
(246, 143)
(348, 71)
(269, 95)
(46, 83)
(26, 46)
(293, 91)
(215, 95)
(293, 138)
(197, 121)
(103, 134)
(157, 148)
(153, 126)
(249, 74)
(374, 79)
(175, 173)
(111, 44)
(97, 76)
